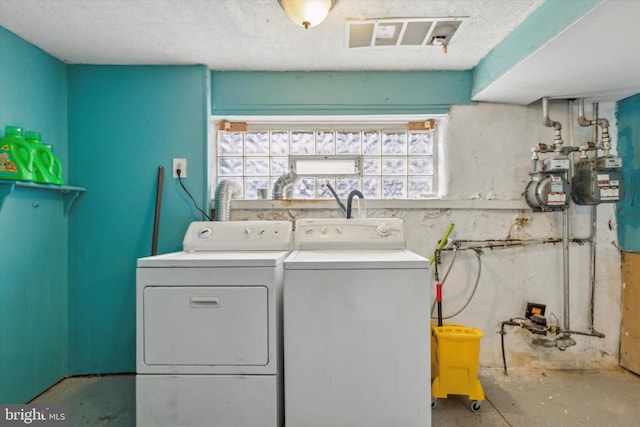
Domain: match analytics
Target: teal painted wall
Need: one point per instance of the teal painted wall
(33, 231)
(307, 93)
(125, 122)
(546, 22)
(628, 210)
(67, 287)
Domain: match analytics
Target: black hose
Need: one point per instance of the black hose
(504, 358)
(473, 292)
(510, 322)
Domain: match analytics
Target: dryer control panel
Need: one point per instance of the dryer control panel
(238, 235)
(357, 233)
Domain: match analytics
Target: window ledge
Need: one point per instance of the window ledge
(383, 204)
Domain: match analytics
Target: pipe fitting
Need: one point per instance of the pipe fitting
(564, 342)
(557, 137)
(582, 120)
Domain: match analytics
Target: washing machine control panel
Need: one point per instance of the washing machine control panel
(238, 235)
(339, 233)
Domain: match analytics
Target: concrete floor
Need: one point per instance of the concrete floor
(525, 397)
(547, 398)
(100, 400)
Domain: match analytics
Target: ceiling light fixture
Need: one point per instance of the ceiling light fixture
(307, 13)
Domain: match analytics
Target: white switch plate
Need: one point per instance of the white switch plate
(182, 165)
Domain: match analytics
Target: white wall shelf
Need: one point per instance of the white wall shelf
(69, 193)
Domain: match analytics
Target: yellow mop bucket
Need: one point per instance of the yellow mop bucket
(455, 351)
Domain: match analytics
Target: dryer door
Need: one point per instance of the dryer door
(214, 326)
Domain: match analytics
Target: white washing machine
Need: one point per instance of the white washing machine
(356, 326)
(209, 322)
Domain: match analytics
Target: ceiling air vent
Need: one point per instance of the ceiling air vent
(401, 32)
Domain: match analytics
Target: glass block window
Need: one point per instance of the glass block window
(393, 162)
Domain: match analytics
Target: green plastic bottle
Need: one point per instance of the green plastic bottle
(16, 158)
(47, 168)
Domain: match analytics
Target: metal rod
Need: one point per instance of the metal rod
(498, 244)
(156, 217)
(439, 298)
(588, 334)
(436, 276)
(592, 270)
(335, 196)
(565, 266)
(592, 233)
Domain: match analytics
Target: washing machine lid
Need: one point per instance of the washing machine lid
(354, 259)
(215, 259)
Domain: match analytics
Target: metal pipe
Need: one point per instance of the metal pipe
(596, 121)
(497, 243)
(592, 270)
(557, 137)
(594, 220)
(582, 121)
(603, 123)
(545, 113)
(587, 334)
(565, 266)
(605, 142)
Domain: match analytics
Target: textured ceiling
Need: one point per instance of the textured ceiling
(595, 58)
(251, 34)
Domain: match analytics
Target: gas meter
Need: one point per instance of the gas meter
(548, 189)
(598, 181)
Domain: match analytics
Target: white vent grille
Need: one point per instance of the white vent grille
(401, 32)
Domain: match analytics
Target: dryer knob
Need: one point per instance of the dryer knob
(247, 231)
(383, 229)
(205, 233)
(323, 230)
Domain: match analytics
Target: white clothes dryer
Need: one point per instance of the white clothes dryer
(356, 326)
(209, 330)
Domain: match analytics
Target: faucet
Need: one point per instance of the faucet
(350, 200)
